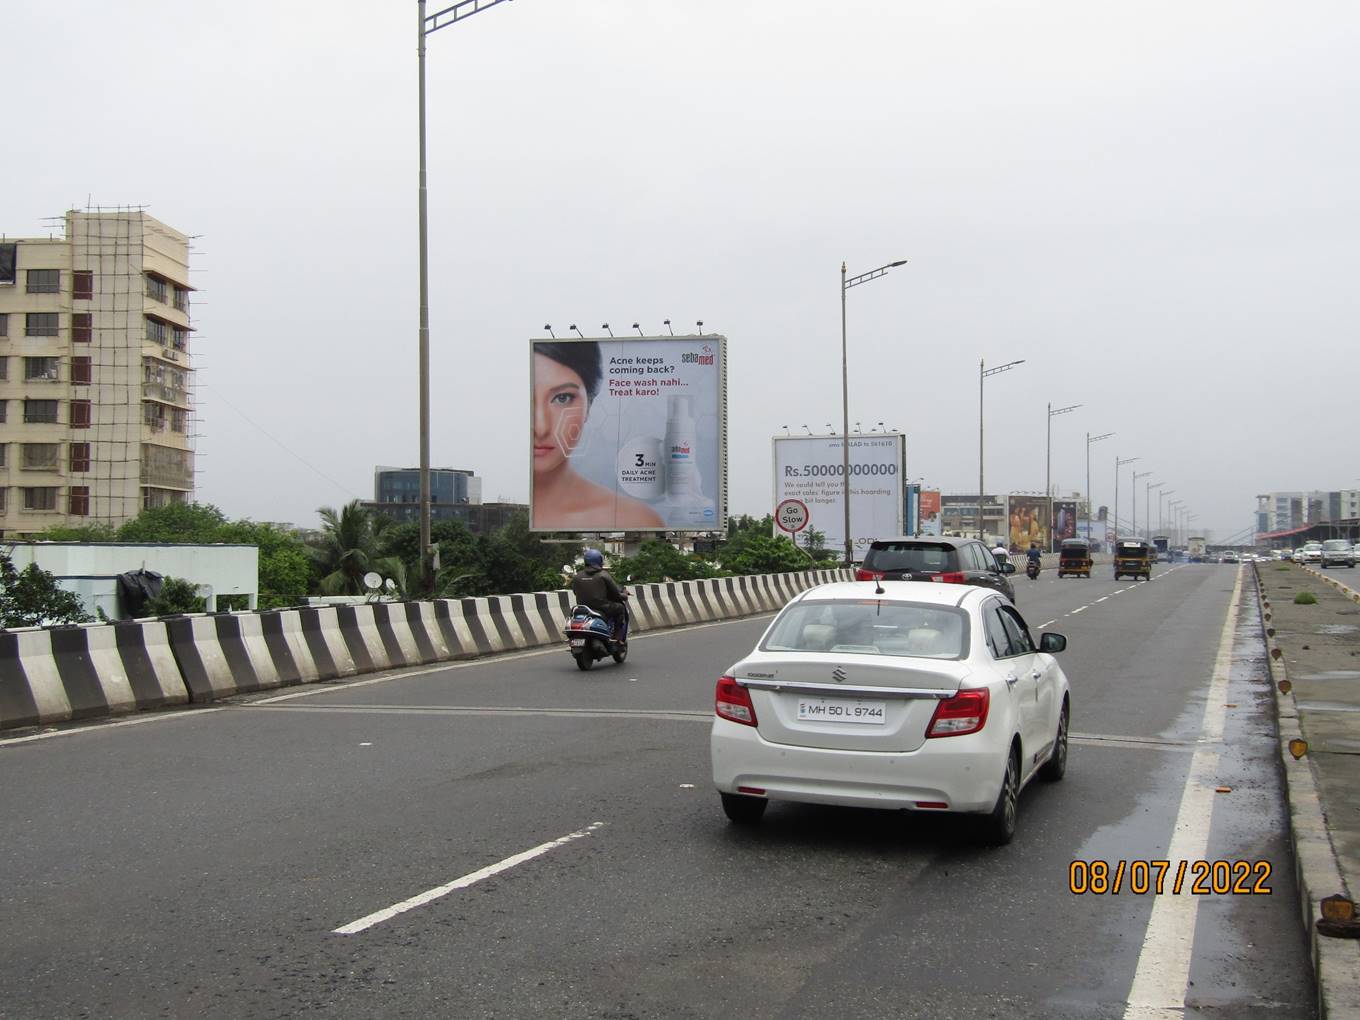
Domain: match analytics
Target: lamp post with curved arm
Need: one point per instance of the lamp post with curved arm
(983, 373)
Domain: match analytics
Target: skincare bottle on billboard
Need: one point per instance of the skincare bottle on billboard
(685, 504)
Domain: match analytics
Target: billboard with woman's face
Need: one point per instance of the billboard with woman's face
(628, 434)
(1028, 518)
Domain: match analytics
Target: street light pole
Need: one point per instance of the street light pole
(1048, 468)
(983, 373)
(1090, 503)
(424, 26)
(1161, 509)
(1133, 500)
(1173, 515)
(846, 284)
(1147, 505)
(1117, 465)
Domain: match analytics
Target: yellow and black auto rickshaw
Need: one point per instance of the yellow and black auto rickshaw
(1134, 557)
(1074, 557)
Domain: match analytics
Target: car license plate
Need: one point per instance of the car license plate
(869, 713)
(578, 642)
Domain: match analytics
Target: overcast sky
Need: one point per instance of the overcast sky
(1154, 204)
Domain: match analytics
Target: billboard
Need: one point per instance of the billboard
(930, 512)
(628, 434)
(1064, 520)
(810, 469)
(1028, 521)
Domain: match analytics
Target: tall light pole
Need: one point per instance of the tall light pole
(1090, 503)
(1174, 519)
(1133, 524)
(1147, 505)
(983, 373)
(1048, 468)
(1117, 465)
(1161, 509)
(846, 284)
(424, 26)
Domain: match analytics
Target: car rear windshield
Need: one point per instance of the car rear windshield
(910, 556)
(871, 627)
(1337, 544)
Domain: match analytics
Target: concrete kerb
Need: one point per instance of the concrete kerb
(1336, 962)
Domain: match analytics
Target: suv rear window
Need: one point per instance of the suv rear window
(885, 556)
(1336, 544)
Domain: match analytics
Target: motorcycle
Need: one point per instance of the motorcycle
(1032, 569)
(590, 636)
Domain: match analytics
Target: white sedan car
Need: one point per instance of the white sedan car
(893, 694)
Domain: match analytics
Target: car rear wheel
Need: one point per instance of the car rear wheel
(1056, 767)
(998, 828)
(742, 810)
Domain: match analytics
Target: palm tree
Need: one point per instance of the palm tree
(346, 549)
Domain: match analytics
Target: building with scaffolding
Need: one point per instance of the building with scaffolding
(96, 385)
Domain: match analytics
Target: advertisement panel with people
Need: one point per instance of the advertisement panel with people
(1028, 522)
(930, 512)
(1064, 520)
(810, 469)
(628, 434)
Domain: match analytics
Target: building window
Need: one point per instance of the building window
(4, 369)
(78, 501)
(40, 324)
(82, 283)
(9, 259)
(3, 501)
(42, 498)
(79, 458)
(181, 338)
(156, 289)
(80, 414)
(44, 281)
(80, 371)
(4, 447)
(156, 331)
(4, 324)
(81, 327)
(182, 299)
(41, 369)
(39, 456)
(178, 420)
(40, 412)
(2, 411)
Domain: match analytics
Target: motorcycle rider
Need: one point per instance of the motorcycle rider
(595, 588)
(1033, 559)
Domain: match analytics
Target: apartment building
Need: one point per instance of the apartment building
(1281, 511)
(96, 393)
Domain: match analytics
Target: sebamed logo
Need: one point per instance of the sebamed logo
(704, 356)
(680, 451)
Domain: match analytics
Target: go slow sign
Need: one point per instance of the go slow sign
(791, 515)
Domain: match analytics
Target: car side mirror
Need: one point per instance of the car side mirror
(1052, 643)
(1008, 568)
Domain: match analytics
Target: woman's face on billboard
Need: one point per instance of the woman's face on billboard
(560, 408)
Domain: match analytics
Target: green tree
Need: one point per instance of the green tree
(85, 533)
(767, 555)
(197, 523)
(176, 596)
(285, 571)
(656, 560)
(514, 559)
(348, 550)
(31, 597)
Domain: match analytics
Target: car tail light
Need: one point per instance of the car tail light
(733, 701)
(951, 577)
(867, 575)
(965, 712)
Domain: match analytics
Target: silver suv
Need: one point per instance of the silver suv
(1337, 552)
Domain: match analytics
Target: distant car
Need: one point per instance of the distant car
(1310, 553)
(941, 560)
(1337, 552)
(925, 697)
(1228, 557)
(1297, 555)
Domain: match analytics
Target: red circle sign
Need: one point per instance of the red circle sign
(791, 515)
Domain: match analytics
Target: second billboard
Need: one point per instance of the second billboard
(811, 469)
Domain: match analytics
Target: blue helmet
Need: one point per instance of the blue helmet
(594, 558)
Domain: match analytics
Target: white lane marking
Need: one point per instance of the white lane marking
(159, 717)
(430, 895)
(1048, 624)
(1102, 598)
(1163, 972)
(556, 649)
(1081, 609)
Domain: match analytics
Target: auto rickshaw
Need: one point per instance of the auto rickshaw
(1134, 557)
(1074, 557)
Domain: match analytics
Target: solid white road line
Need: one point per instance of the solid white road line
(364, 923)
(1163, 972)
(158, 717)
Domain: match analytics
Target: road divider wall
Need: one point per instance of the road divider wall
(61, 674)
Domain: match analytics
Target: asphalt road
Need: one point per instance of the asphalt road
(199, 863)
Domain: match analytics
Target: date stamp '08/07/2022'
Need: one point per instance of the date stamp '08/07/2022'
(1197, 878)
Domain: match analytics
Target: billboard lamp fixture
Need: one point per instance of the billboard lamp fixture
(638, 328)
(548, 327)
(578, 332)
(667, 324)
(605, 326)
(700, 324)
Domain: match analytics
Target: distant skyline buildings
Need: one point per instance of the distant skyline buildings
(1285, 510)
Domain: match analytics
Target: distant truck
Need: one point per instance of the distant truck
(1163, 544)
(1195, 548)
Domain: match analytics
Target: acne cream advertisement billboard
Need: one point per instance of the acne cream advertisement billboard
(628, 434)
(811, 469)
